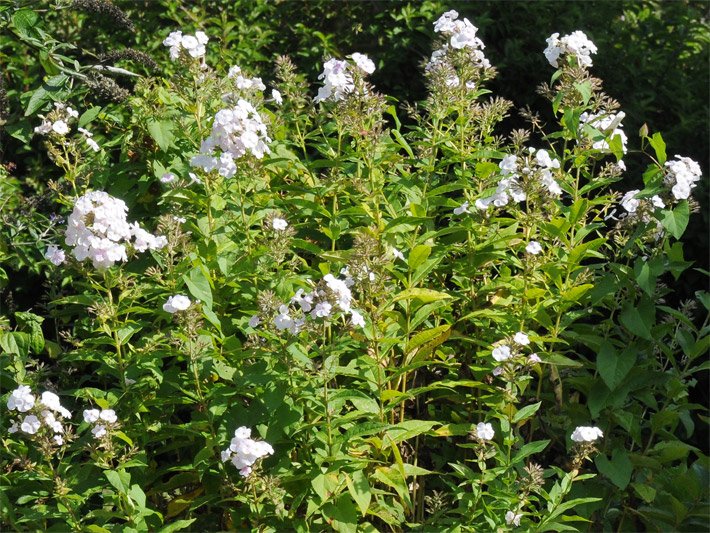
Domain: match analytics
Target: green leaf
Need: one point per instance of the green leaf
(639, 319)
(613, 366)
(418, 255)
(52, 87)
(424, 295)
(89, 115)
(199, 285)
(426, 336)
(659, 146)
(162, 133)
(359, 488)
(120, 479)
(24, 22)
(676, 220)
(526, 412)
(585, 90)
(618, 470)
(529, 449)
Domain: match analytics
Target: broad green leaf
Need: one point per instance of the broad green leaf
(423, 295)
(659, 146)
(24, 22)
(120, 479)
(199, 286)
(359, 488)
(530, 449)
(676, 220)
(54, 86)
(89, 115)
(526, 412)
(162, 132)
(614, 366)
(618, 469)
(423, 337)
(418, 255)
(639, 319)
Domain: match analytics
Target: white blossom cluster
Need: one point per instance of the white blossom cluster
(460, 35)
(509, 353)
(43, 415)
(586, 434)
(536, 166)
(98, 230)
(682, 175)
(512, 518)
(576, 44)
(338, 79)
(610, 125)
(245, 84)
(102, 421)
(484, 431)
(244, 451)
(193, 45)
(631, 203)
(176, 303)
(59, 122)
(236, 131)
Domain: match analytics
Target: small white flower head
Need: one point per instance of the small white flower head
(254, 321)
(337, 81)
(279, 224)
(91, 415)
(176, 303)
(98, 431)
(51, 400)
(58, 440)
(511, 518)
(357, 319)
(14, 428)
(108, 415)
(93, 144)
(193, 45)
(21, 399)
(683, 175)
(168, 177)
(533, 248)
(30, 424)
(55, 255)
(501, 353)
(586, 434)
(576, 44)
(534, 358)
(463, 208)
(60, 127)
(484, 431)
(630, 202)
(497, 371)
(657, 202)
(243, 451)
(521, 338)
(397, 254)
(363, 62)
(276, 95)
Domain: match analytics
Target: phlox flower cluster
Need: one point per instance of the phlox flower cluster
(512, 518)
(192, 45)
(42, 416)
(337, 76)
(244, 451)
(176, 303)
(102, 421)
(586, 434)
(682, 175)
(484, 431)
(236, 131)
(245, 84)
(98, 230)
(610, 125)
(58, 123)
(460, 39)
(519, 173)
(576, 44)
(509, 352)
(631, 203)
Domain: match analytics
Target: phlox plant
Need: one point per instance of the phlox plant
(277, 303)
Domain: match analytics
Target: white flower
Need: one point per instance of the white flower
(683, 175)
(254, 321)
(521, 339)
(60, 127)
(497, 371)
(363, 62)
(21, 399)
(322, 310)
(168, 177)
(243, 451)
(576, 44)
(30, 424)
(276, 95)
(55, 255)
(58, 440)
(108, 415)
(463, 208)
(279, 224)
(630, 202)
(501, 353)
(657, 201)
(337, 81)
(357, 319)
(283, 320)
(397, 254)
(543, 159)
(586, 434)
(512, 518)
(610, 125)
(533, 248)
(484, 431)
(534, 358)
(44, 128)
(340, 290)
(14, 428)
(93, 144)
(176, 303)
(91, 415)
(51, 400)
(98, 431)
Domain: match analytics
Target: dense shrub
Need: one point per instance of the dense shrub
(297, 302)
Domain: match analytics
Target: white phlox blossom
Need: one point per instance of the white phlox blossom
(168, 177)
(586, 434)
(509, 354)
(276, 96)
(59, 121)
(245, 84)
(193, 45)
(533, 248)
(460, 38)
(609, 124)
(532, 169)
(279, 224)
(337, 76)
(98, 230)
(243, 451)
(501, 353)
(630, 202)
(682, 175)
(236, 132)
(176, 303)
(46, 412)
(460, 210)
(576, 44)
(102, 421)
(484, 431)
(55, 255)
(513, 518)
(521, 338)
